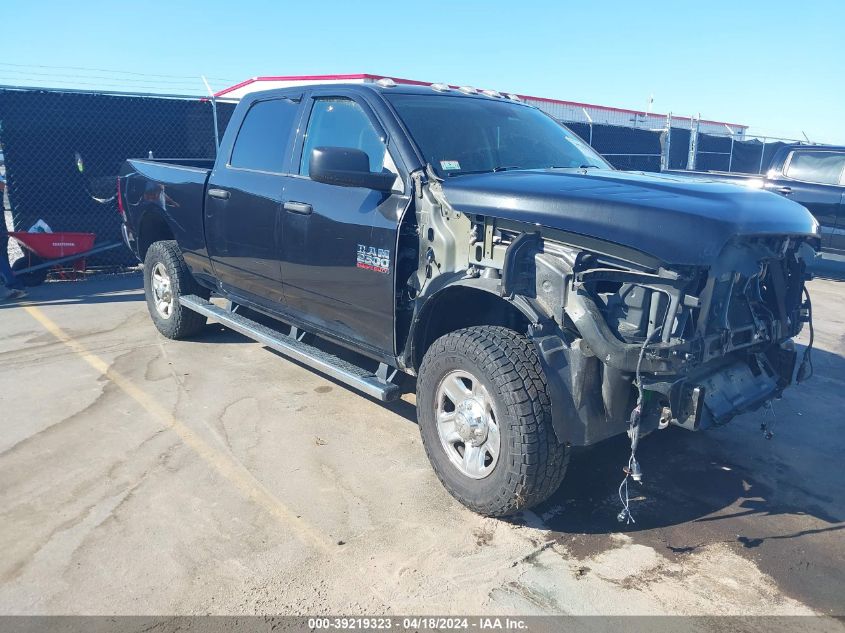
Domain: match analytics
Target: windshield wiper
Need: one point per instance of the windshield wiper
(484, 171)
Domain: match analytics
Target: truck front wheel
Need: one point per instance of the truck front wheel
(166, 278)
(485, 420)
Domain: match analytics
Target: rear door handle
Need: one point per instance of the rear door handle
(220, 194)
(784, 190)
(303, 208)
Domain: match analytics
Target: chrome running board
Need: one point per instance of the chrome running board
(324, 362)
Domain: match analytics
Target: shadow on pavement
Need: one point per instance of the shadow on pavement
(683, 482)
(103, 289)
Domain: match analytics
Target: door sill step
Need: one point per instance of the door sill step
(324, 362)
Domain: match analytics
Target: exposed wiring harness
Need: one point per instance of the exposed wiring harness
(768, 427)
(625, 514)
(805, 370)
(632, 470)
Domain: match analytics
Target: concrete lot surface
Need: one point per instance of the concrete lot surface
(145, 476)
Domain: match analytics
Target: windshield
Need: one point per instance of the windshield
(459, 135)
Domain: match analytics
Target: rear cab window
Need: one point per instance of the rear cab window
(262, 141)
(816, 166)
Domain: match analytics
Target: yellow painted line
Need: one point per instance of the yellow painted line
(222, 463)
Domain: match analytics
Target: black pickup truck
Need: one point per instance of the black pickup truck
(542, 300)
(811, 175)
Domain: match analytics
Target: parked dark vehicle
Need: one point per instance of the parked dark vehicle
(542, 299)
(811, 175)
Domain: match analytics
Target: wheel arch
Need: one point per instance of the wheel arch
(466, 303)
(153, 227)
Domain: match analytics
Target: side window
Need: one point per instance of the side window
(263, 137)
(820, 167)
(338, 122)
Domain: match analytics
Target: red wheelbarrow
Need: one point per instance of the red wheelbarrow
(45, 251)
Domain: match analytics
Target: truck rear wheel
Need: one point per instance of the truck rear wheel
(485, 420)
(166, 278)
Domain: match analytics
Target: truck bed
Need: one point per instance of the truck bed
(175, 187)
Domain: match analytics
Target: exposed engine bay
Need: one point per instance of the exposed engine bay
(716, 342)
(620, 332)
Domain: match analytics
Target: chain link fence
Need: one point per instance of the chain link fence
(626, 148)
(63, 150)
(679, 148)
(733, 154)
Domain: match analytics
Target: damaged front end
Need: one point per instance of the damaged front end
(703, 344)
(622, 334)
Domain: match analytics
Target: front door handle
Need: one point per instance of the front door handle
(303, 208)
(220, 194)
(784, 190)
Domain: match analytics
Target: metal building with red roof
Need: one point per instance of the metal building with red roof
(558, 108)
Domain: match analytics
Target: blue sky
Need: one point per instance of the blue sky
(775, 65)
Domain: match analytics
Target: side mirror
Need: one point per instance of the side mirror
(347, 167)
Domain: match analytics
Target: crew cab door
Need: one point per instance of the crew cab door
(244, 201)
(812, 177)
(339, 242)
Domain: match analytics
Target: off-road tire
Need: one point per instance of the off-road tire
(531, 463)
(182, 322)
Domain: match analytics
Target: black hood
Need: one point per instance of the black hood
(676, 220)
